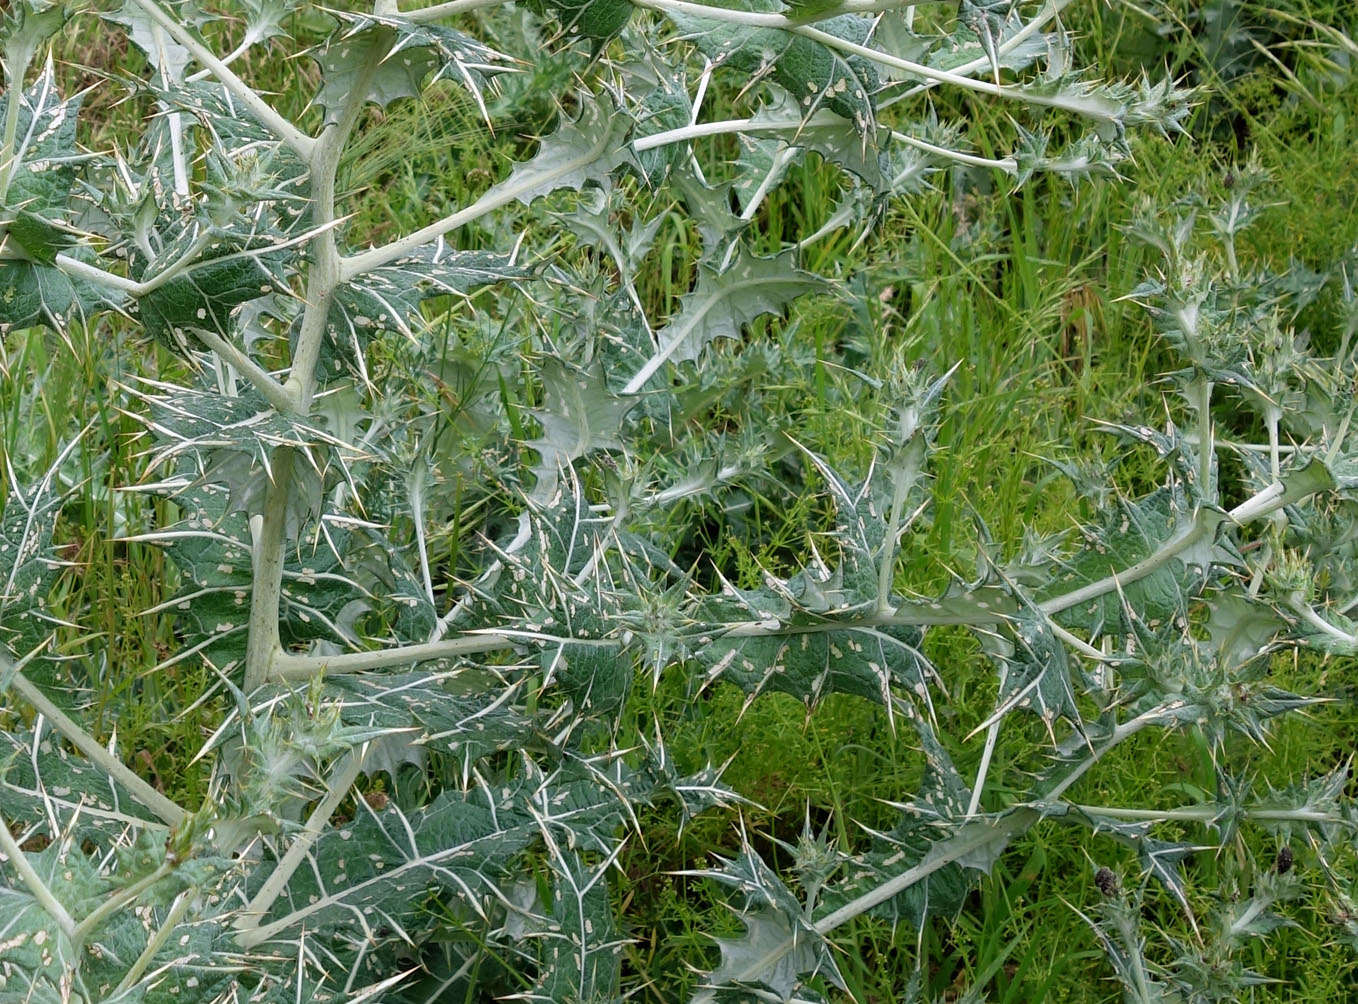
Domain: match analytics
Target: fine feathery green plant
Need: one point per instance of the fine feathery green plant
(431, 553)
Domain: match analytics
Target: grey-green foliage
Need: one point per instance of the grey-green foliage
(481, 701)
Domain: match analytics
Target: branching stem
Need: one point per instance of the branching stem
(300, 143)
(119, 900)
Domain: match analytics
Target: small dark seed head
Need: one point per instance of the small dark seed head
(1283, 864)
(1106, 881)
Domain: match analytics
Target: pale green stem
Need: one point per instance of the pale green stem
(1008, 164)
(262, 645)
(992, 738)
(245, 46)
(1232, 264)
(703, 129)
(501, 195)
(1307, 613)
(157, 941)
(1269, 500)
(268, 387)
(346, 772)
(1203, 387)
(94, 274)
(326, 267)
(929, 73)
(886, 571)
(1271, 418)
(416, 485)
(300, 143)
(454, 7)
(87, 744)
(1132, 950)
(1208, 813)
(784, 157)
(178, 165)
(1124, 731)
(119, 900)
(9, 160)
(289, 666)
(16, 69)
(759, 19)
(29, 876)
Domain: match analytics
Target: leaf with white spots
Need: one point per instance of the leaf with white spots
(234, 269)
(822, 131)
(210, 547)
(582, 150)
(1125, 534)
(29, 566)
(822, 630)
(43, 784)
(389, 297)
(46, 159)
(937, 815)
(580, 946)
(234, 439)
(1035, 671)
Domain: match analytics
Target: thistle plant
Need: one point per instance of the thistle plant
(300, 473)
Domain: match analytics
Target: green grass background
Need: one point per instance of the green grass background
(1025, 290)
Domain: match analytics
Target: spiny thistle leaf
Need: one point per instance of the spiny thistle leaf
(724, 301)
(596, 21)
(404, 53)
(27, 24)
(582, 150)
(822, 131)
(28, 564)
(780, 948)
(44, 786)
(1125, 535)
(167, 56)
(240, 268)
(388, 298)
(580, 946)
(819, 631)
(465, 712)
(32, 293)
(236, 439)
(579, 415)
(46, 158)
(928, 824)
(815, 74)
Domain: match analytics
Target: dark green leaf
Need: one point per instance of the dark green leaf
(816, 75)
